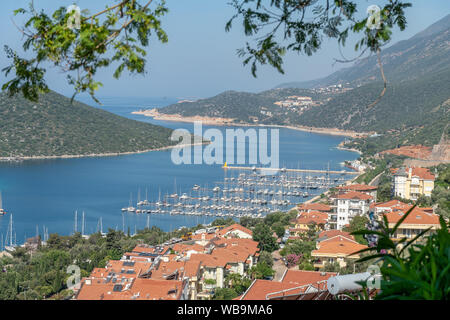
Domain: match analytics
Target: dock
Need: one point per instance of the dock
(291, 170)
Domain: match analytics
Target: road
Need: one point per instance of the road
(278, 266)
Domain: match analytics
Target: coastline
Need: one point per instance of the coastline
(94, 155)
(153, 113)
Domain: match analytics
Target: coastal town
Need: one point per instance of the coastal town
(294, 254)
(219, 159)
(216, 258)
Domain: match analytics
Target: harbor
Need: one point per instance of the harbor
(246, 192)
(101, 186)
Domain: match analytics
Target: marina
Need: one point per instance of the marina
(240, 194)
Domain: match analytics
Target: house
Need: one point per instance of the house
(349, 205)
(305, 219)
(235, 231)
(232, 255)
(292, 282)
(417, 221)
(412, 182)
(336, 250)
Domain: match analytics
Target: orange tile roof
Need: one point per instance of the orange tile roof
(233, 227)
(339, 246)
(314, 206)
(312, 216)
(302, 277)
(328, 234)
(354, 195)
(140, 289)
(149, 289)
(422, 173)
(248, 245)
(417, 216)
(208, 260)
(259, 289)
(181, 247)
(357, 187)
(208, 236)
(167, 268)
(390, 204)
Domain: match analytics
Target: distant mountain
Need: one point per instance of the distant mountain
(55, 127)
(426, 52)
(414, 108)
(244, 107)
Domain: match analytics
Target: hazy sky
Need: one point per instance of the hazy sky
(200, 59)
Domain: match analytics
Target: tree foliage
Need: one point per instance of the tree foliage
(118, 34)
(416, 268)
(301, 26)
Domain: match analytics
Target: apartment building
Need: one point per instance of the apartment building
(412, 182)
(349, 205)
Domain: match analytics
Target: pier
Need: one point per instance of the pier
(291, 170)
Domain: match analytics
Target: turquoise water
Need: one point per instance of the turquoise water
(48, 192)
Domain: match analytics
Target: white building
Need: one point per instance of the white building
(349, 205)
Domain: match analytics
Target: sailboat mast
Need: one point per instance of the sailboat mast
(11, 230)
(76, 222)
(82, 225)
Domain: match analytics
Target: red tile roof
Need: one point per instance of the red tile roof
(422, 173)
(302, 277)
(233, 227)
(338, 245)
(390, 204)
(328, 234)
(417, 216)
(140, 289)
(292, 279)
(357, 187)
(355, 195)
(314, 206)
(312, 216)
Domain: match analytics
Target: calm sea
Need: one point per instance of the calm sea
(46, 193)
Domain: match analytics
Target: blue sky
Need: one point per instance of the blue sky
(200, 59)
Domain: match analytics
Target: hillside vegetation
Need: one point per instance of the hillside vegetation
(55, 127)
(414, 110)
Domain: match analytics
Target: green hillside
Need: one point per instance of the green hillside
(244, 106)
(406, 104)
(414, 109)
(426, 52)
(54, 127)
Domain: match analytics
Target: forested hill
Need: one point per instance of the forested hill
(244, 106)
(426, 52)
(55, 127)
(415, 107)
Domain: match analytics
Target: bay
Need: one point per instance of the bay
(46, 193)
